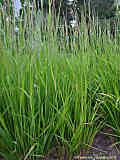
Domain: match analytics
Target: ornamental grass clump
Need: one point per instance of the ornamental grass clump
(52, 97)
(44, 103)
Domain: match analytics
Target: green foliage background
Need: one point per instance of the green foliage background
(104, 8)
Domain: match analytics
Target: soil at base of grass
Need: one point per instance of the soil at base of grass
(102, 148)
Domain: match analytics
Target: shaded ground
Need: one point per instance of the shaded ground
(105, 143)
(102, 148)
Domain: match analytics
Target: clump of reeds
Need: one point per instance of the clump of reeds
(50, 97)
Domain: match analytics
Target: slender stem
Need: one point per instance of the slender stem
(50, 13)
(53, 3)
(8, 3)
(117, 5)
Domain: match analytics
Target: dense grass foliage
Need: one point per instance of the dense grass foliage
(56, 89)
